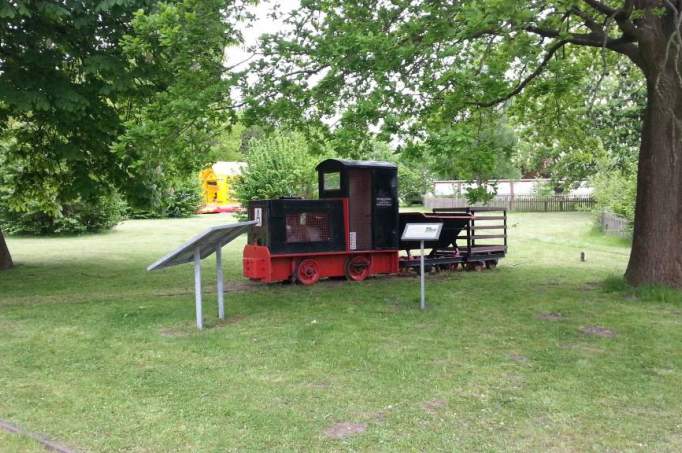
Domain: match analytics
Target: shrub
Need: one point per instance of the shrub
(42, 195)
(174, 199)
(183, 199)
(100, 213)
(279, 165)
(414, 181)
(615, 191)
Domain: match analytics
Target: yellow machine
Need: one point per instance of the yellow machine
(216, 182)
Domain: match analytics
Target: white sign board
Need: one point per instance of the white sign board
(422, 231)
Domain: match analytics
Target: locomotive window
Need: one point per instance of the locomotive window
(332, 181)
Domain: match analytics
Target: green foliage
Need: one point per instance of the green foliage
(73, 217)
(478, 149)
(566, 132)
(37, 196)
(62, 81)
(248, 134)
(97, 96)
(227, 145)
(462, 81)
(279, 165)
(415, 180)
(184, 199)
(176, 199)
(615, 190)
(176, 54)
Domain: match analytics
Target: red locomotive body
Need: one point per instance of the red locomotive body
(352, 230)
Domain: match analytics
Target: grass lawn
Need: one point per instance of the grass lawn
(544, 353)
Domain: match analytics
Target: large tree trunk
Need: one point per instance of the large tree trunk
(657, 242)
(5, 257)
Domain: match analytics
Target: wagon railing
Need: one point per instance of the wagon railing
(487, 223)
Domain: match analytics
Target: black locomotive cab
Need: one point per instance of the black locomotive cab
(371, 188)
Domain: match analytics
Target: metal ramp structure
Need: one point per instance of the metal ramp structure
(196, 249)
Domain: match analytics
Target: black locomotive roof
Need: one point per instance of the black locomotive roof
(334, 164)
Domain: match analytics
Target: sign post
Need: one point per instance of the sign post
(422, 232)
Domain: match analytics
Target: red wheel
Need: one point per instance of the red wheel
(308, 272)
(357, 268)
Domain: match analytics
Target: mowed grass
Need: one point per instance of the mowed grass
(100, 355)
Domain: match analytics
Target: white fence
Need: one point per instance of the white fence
(522, 203)
(505, 187)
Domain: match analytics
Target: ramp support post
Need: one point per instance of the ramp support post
(197, 287)
(219, 281)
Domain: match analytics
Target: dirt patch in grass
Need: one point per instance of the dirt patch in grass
(378, 417)
(598, 331)
(591, 286)
(345, 429)
(173, 332)
(550, 316)
(583, 348)
(185, 331)
(229, 320)
(433, 406)
(518, 358)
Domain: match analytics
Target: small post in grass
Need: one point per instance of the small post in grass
(197, 288)
(422, 303)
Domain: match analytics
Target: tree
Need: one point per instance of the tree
(100, 97)
(175, 52)
(399, 65)
(62, 78)
(5, 257)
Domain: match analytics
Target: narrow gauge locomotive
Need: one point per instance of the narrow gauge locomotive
(353, 230)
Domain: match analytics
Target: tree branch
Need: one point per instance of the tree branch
(587, 19)
(600, 7)
(621, 15)
(519, 88)
(623, 45)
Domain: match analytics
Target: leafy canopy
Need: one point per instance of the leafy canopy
(414, 70)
